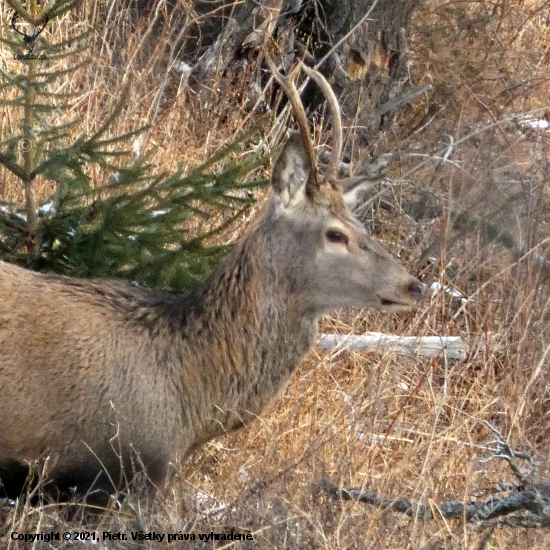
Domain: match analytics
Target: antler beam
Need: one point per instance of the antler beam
(289, 88)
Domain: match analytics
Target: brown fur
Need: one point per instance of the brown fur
(97, 374)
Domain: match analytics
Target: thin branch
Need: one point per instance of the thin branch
(533, 498)
(346, 36)
(492, 508)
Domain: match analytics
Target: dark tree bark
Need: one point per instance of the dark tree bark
(374, 60)
(368, 68)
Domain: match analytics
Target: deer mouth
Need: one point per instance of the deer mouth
(386, 303)
(414, 292)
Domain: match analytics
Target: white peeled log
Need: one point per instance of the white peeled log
(451, 348)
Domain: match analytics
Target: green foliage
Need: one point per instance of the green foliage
(137, 227)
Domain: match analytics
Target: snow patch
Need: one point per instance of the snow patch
(436, 287)
(208, 503)
(183, 68)
(158, 213)
(531, 122)
(45, 209)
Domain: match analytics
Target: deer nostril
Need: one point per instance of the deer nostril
(416, 290)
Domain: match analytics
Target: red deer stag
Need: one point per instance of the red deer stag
(100, 380)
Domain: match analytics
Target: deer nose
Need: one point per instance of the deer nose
(416, 290)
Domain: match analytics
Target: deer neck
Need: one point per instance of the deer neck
(255, 337)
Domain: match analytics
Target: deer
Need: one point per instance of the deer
(102, 382)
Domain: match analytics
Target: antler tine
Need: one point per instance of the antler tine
(288, 87)
(14, 18)
(328, 92)
(44, 25)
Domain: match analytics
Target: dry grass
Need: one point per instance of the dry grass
(401, 426)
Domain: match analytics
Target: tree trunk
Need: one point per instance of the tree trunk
(368, 70)
(371, 67)
(361, 46)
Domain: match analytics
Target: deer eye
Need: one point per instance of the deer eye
(335, 236)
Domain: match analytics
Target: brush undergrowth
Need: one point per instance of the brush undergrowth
(399, 425)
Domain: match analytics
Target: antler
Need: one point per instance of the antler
(334, 107)
(14, 18)
(37, 32)
(28, 39)
(289, 88)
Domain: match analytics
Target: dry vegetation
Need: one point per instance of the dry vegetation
(400, 426)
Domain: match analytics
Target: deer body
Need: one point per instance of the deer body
(100, 380)
(94, 371)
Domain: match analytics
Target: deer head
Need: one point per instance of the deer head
(336, 263)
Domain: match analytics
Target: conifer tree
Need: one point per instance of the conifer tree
(136, 227)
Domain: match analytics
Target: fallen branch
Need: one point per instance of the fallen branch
(450, 348)
(529, 497)
(473, 512)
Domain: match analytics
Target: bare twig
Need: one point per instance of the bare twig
(533, 498)
(492, 508)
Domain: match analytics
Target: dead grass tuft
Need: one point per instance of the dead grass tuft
(400, 426)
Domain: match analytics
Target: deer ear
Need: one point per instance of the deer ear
(354, 189)
(291, 172)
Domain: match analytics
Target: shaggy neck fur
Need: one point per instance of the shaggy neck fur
(241, 336)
